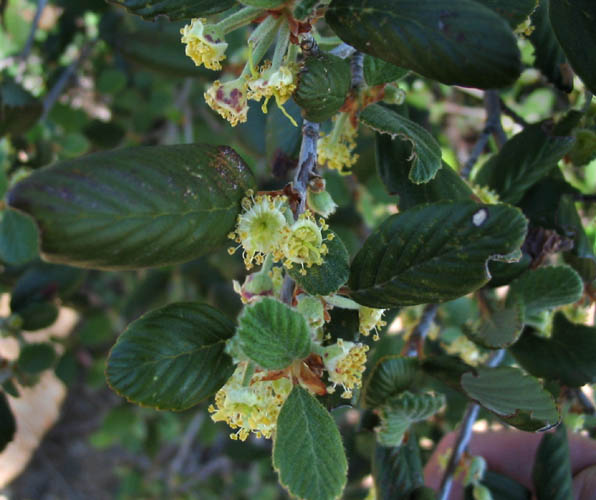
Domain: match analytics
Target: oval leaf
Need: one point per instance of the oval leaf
(551, 474)
(390, 376)
(272, 334)
(137, 207)
(172, 358)
(573, 23)
(308, 453)
(329, 276)
(378, 72)
(174, 9)
(433, 253)
(35, 358)
(457, 42)
(517, 398)
(426, 152)
(513, 11)
(18, 238)
(501, 329)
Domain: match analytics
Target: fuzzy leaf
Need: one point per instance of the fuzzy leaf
(524, 159)
(566, 356)
(329, 276)
(308, 453)
(377, 71)
(272, 334)
(390, 376)
(513, 11)
(502, 328)
(173, 357)
(546, 288)
(573, 23)
(551, 474)
(174, 9)
(404, 410)
(433, 253)
(137, 207)
(18, 238)
(426, 152)
(457, 42)
(518, 399)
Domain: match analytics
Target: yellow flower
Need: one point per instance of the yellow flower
(345, 361)
(304, 245)
(466, 350)
(336, 149)
(262, 228)
(205, 43)
(269, 83)
(253, 407)
(370, 319)
(229, 100)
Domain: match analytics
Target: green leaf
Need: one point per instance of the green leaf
(573, 23)
(393, 165)
(524, 159)
(264, 4)
(390, 376)
(502, 328)
(272, 334)
(308, 453)
(433, 253)
(518, 399)
(548, 54)
(457, 42)
(18, 238)
(551, 474)
(137, 207)
(514, 12)
(378, 72)
(38, 315)
(504, 488)
(404, 410)
(546, 288)
(567, 356)
(35, 358)
(173, 357)
(323, 85)
(8, 425)
(174, 9)
(19, 110)
(282, 139)
(397, 471)
(329, 276)
(426, 152)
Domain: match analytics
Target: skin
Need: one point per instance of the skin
(511, 453)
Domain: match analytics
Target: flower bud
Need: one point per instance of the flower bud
(321, 203)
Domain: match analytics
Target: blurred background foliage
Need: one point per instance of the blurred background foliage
(129, 83)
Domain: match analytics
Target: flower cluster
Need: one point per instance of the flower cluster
(251, 408)
(336, 149)
(266, 227)
(205, 43)
(345, 362)
(369, 320)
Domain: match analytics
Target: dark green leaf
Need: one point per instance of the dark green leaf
(174, 9)
(548, 55)
(35, 358)
(504, 488)
(323, 85)
(457, 42)
(308, 453)
(397, 471)
(573, 23)
(502, 328)
(282, 139)
(377, 71)
(514, 11)
(404, 410)
(524, 160)
(426, 152)
(394, 167)
(518, 399)
(18, 238)
(567, 356)
(272, 334)
(172, 358)
(551, 474)
(433, 253)
(8, 425)
(137, 207)
(390, 376)
(504, 272)
(546, 288)
(263, 4)
(584, 150)
(38, 315)
(19, 110)
(329, 276)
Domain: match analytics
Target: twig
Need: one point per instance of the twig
(31, 38)
(492, 104)
(55, 92)
(465, 434)
(343, 50)
(512, 114)
(307, 161)
(357, 66)
(185, 446)
(421, 330)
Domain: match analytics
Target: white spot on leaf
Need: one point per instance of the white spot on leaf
(480, 217)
